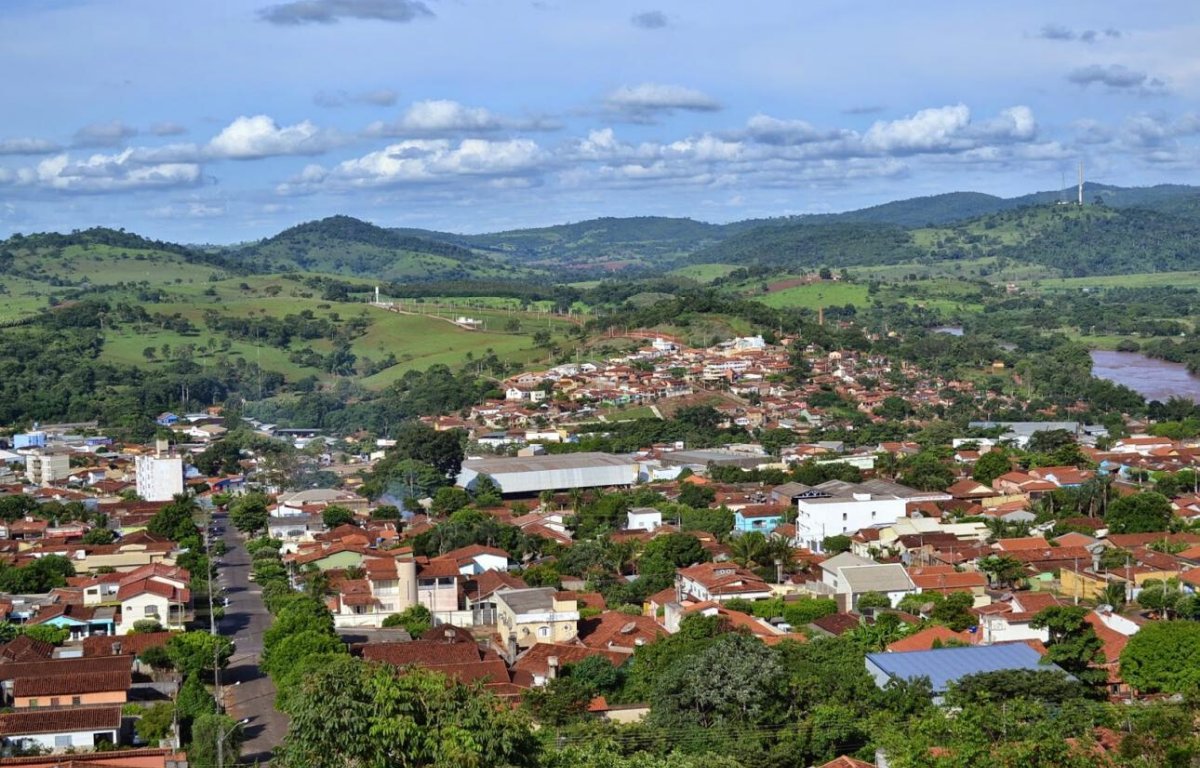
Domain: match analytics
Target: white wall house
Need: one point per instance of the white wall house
(643, 519)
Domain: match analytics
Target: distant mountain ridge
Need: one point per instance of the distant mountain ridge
(348, 246)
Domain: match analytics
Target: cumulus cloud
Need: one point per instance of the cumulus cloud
(929, 129)
(650, 20)
(769, 130)
(101, 173)
(113, 133)
(423, 161)
(1117, 78)
(27, 146)
(249, 138)
(645, 102)
(333, 11)
(440, 116)
(168, 128)
(1063, 33)
(381, 97)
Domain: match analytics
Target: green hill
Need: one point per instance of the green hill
(1093, 239)
(595, 241)
(347, 246)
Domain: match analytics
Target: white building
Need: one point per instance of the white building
(849, 577)
(643, 519)
(159, 478)
(58, 730)
(44, 466)
(837, 508)
(533, 474)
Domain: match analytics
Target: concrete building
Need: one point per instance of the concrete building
(643, 519)
(837, 508)
(526, 617)
(534, 474)
(159, 478)
(849, 576)
(44, 466)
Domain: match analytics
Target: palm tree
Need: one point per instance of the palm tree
(1114, 595)
(749, 549)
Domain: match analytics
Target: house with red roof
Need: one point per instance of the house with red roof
(157, 592)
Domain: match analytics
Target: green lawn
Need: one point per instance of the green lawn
(1139, 280)
(814, 295)
(704, 273)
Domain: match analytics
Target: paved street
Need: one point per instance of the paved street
(248, 692)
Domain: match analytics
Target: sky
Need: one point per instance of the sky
(228, 120)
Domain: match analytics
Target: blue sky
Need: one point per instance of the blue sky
(227, 121)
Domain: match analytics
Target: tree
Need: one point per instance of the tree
(149, 353)
(385, 512)
(299, 614)
(1004, 570)
(450, 499)
(207, 730)
(1139, 513)
(415, 619)
(294, 650)
(749, 549)
(352, 713)
(671, 552)
(735, 681)
(926, 472)
(1050, 686)
(156, 657)
(868, 600)
(99, 536)
(146, 627)
(334, 516)
(193, 701)
(1163, 657)
(955, 611)
(1161, 597)
(989, 466)
(156, 723)
(1073, 644)
(46, 633)
(175, 520)
(195, 652)
(834, 545)
(697, 496)
(248, 512)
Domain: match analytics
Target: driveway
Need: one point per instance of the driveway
(248, 692)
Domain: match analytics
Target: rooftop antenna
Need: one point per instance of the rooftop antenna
(1081, 183)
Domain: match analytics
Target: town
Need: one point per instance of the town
(182, 592)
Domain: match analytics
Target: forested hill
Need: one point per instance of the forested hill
(348, 246)
(1092, 239)
(596, 240)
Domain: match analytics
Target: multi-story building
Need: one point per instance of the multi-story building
(159, 478)
(44, 466)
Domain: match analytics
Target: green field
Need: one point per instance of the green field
(704, 273)
(1139, 280)
(814, 295)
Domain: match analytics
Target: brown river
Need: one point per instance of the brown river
(1152, 379)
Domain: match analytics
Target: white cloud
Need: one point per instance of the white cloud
(421, 161)
(1118, 78)
(168, 128)
(114, 133)
(442, 116)
(249, 138)
(27, 146)
(645, 102)
(102, 173)
(928, 130)
(195, 209)
(380, 97)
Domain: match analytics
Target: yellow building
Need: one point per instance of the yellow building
(531, 616)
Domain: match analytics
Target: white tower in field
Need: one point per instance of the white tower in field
(1081, 183)
(377, 287)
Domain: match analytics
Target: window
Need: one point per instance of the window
(33, 703)
(543, 631)
(845, 517)
(62, 740)
(54, 702)
(76, 701)
(151, 610)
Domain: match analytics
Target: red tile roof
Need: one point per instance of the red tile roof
(926, 638)
(69, 685)
(46, 721)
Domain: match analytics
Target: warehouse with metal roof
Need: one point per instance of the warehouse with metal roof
(533, 474)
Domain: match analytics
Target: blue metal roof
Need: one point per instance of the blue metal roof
(945, 665)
